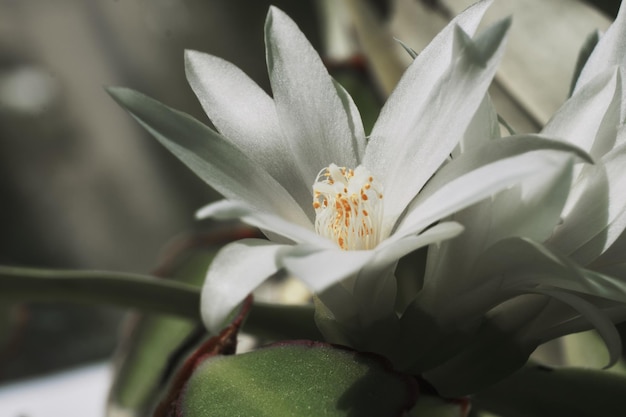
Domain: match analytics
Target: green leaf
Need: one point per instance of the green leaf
(303, 379)
(538, 391)
(143, 292)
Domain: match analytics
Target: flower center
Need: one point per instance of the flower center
(348, 207)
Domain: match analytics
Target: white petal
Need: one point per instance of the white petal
(502, 272)
(605, 327)
(321, 268)
(518, 264)
(246, 115)
(559, 321)
(425, 71)
(479, 174)
(612, 261)
(391, 250)
(375, 285)
(210, 156)
(598, 217)
(483, 127)
(608, 52)
(228, 210)
(405, 153)
(236, 105)
(604, 286)
(311, 113)
(428, 112)
(589, 119)
(354, 120)
(235, 272)
(531, 210)
(493, 151)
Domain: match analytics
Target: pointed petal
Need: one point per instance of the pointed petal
(608, 52)
(483, 127)
(483, 172)
(517, 265)
(311, 113)
(319, 269)
(513, 267)
(391, 250)
(497, 150)
(235, 272)
(605, 327)
(598, 217)
(532, 209)
(229, 210)
(375, 286)
(237, 106)
(425, 71)
(428, 112)
(354, 120)
(557, 320)
(589, 119)
(604, 286)
(584, 53)
(213, 158)
(245, 114)
(612, 261)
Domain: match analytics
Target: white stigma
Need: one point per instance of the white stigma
(348, 207)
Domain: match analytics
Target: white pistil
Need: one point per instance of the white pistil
(348, 207)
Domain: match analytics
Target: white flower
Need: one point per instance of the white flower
(533, 292)
(334, 203)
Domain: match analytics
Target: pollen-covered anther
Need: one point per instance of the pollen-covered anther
(348, 207)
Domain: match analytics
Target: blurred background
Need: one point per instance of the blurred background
(83, 186)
